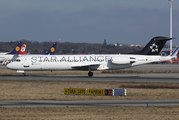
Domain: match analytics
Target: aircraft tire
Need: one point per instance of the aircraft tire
(90, 74)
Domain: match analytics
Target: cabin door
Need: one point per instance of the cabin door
(26, 62)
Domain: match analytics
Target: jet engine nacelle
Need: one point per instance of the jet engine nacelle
(123, 60)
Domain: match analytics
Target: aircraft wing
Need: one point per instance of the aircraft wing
(85, 65)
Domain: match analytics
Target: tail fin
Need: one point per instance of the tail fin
(23, 48)
(16, 50)
(175, 53)
(51, 50)
(154, 46)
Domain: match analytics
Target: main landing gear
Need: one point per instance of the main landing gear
(90, 74)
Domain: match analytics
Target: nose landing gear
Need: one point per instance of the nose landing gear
(23, 74)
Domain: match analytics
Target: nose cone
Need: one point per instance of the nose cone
(9, 66)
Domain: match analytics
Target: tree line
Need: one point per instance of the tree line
(70, 48)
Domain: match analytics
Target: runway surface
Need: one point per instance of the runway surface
(39, 103)
(165, 78)
(172, 67)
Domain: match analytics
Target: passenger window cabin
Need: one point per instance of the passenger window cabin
(18, 60)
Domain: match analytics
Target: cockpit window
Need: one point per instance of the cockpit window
(18, 60)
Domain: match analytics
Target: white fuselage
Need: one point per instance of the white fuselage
(81, 62)
(6, 56)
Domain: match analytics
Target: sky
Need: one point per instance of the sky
(88, 21)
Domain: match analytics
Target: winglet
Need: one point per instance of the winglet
(16, 50)
(51, 50)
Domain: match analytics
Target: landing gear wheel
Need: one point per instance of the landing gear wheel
(23, 74)
(90, 74)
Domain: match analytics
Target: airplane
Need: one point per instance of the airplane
(85, 62)
(12, 55)
(6, 56)
(22, 51)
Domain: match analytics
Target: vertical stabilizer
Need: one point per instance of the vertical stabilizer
(23, 48)
(16, 50)
(175, 53)
(51, 50)
(155, 46)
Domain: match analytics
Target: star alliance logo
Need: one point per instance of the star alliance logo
(154, 47)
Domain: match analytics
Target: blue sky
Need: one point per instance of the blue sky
(90, 21)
